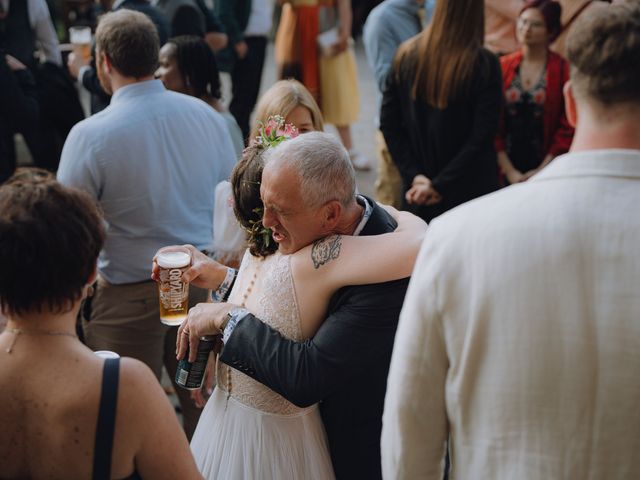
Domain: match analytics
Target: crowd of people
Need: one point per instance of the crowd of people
(351, 339)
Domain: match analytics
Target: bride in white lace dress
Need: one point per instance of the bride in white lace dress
(246, 430)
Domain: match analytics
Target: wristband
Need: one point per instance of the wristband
(223, 290)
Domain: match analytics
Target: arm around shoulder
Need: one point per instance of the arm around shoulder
(341, 260)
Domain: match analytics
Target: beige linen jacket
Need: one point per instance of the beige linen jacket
(519, 338)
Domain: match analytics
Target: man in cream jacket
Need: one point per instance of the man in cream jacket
(518, 340)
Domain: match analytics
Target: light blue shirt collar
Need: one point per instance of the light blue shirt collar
(137, 89)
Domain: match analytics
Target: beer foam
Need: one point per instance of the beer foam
(173, 259)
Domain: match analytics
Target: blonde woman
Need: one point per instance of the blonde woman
(291, 100)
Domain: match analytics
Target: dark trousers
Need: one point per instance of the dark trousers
(246, 76)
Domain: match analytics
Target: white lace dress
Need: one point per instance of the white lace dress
(252, 432)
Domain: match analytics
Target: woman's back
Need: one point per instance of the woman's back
(49, 414)
(50, 389)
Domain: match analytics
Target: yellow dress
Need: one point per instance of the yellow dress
(332, 80)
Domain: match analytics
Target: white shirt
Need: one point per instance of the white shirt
(152, 159)
(41, 23)
(260, 19)
(520, 332)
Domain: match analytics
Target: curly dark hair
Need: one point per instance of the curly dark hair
(50, 238)
(198, 65)
(247, 204)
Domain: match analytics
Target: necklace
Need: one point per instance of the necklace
(21, 331)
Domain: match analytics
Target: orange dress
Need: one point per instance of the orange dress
(331, 80)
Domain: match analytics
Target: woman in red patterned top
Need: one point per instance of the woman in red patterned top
(533, 128)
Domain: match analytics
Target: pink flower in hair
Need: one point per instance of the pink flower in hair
(275, 131)
(290, 130)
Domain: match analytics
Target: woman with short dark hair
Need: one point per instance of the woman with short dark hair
(534, 128)
(440, 111)
(66, 412)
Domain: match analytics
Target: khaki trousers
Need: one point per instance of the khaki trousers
(126, 319)
(389, 183)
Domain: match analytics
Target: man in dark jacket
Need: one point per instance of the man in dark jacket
(18, 109)
(345, 365)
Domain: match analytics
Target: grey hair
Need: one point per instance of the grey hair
(323, 166)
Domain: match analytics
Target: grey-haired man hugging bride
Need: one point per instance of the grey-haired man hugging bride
(310, 320)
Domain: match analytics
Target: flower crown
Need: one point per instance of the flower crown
(270, 134)
(275, 131)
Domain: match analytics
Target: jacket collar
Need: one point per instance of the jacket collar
(593, 163)
(379, 221)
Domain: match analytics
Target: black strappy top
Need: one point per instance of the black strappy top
(107, 422)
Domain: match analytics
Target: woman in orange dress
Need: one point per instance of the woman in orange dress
(312, 46)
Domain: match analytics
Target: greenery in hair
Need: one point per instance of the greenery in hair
(271, 134)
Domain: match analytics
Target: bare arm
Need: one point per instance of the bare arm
(336, 261)
(345, 19)
(163, 451)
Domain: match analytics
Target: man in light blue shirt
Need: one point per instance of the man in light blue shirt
(152, 159)
(387, 26)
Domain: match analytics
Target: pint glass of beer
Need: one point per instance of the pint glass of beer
(174, 293)
(80, 38)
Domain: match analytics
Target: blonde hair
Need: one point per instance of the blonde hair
(281, 99)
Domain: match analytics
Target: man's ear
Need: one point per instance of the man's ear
(570, 104)
(331, 211)
(104, 62)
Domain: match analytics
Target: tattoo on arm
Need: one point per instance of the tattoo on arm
(325, 250)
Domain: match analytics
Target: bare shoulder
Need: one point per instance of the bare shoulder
(137, 378)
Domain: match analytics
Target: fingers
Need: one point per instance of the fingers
(182, 340)
(198, 398)
(194, 340)
(409, 196)
(193, 272)
(155, 270)
(417, 194)
(421, 180)
(433, 199)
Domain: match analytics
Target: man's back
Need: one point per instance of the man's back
(152, 159)
(528, 325)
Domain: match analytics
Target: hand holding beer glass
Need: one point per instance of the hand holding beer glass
(172, 289)
(80, 38)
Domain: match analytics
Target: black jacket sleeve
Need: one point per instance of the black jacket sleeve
(18, 97)
(352, 338)
(395, 129)
(90, 79)
(486, 119)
